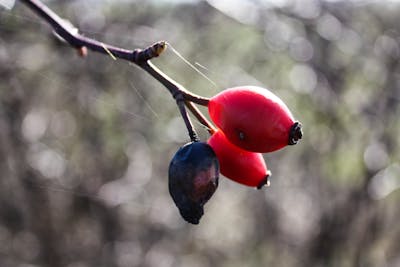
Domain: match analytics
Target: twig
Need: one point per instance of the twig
(140, 57)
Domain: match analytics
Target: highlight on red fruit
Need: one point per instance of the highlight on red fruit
(245, 167)
(254, 119)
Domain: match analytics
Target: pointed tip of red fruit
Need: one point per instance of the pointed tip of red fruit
(265, 182)
(295, 133)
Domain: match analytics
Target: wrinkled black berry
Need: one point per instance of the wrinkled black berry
(192, 179)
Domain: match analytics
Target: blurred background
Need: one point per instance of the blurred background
(85, 144)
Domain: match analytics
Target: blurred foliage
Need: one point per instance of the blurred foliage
(85, 143)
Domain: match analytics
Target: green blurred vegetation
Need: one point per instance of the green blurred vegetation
(85, 143)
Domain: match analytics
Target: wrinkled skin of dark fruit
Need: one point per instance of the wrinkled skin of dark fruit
(193, 178)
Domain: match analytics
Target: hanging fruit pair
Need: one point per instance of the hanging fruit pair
(251, 121)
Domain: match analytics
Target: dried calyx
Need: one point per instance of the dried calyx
(295, 133)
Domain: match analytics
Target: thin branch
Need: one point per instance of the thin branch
(140, 57)
(172, 86)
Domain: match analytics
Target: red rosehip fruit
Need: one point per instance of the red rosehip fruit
(192, 179)
(242, 166)
(254, 119)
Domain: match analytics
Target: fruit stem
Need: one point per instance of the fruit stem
(200, 100)
(200, 117)
(185, 116)
(295, 133)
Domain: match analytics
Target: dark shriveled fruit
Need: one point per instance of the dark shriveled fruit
(193, 178)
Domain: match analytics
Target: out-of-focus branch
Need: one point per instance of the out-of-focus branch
(140, 57)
